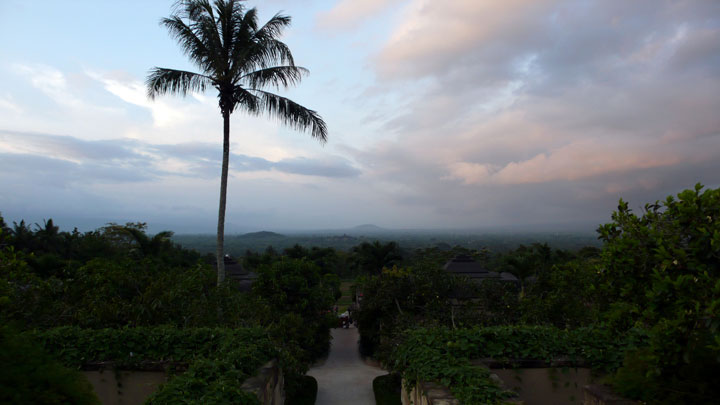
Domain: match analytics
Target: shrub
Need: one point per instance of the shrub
(661, 271)
(387, 389)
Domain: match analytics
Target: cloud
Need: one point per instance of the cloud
(332, 166)
(165, 111)
(8, 103)
(583, 159)
(349, 14)
(520, 95)
(133, 160)
(50, 81)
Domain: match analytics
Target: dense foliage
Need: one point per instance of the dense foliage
(387, 389)
(402, 298)
(445, 355)
(645, 305)
(661, 271)
(217, 357)
(112, 277)
(29, 375)
(123, 284)
(658, 273)
(299, 299)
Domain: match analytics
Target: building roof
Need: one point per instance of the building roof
(235, 271)
(464, 264)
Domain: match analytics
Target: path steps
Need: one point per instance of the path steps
(344, 378)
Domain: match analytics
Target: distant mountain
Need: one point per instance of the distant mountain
(261, 235)
(370, 228)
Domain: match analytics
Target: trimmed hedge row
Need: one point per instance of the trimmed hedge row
(219, 359)
(444, 355)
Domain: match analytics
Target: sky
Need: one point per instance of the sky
(451, 114)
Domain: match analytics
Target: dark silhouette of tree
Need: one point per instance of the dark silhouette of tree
(48, 236)
(22, 236)
(4, 230)
(241, 60)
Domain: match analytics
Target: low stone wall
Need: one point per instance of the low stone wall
(268, 384)
(546, 385)
(121, 387)
(427, 393)
(603, 395)
(133, 387)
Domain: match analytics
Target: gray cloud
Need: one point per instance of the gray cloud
(548, 110)
(122, 160)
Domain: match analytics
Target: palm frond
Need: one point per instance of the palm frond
(274, 27)
(267, 36)
(193, 46)
(202, 23)
(246, 100)
(163, 81)
(292, 114)
(276, 76)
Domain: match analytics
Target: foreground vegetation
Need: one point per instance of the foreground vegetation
(117, 294)
(644, 308)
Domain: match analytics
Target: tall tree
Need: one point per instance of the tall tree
(241, 60)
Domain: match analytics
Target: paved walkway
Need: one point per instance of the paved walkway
(344, 378)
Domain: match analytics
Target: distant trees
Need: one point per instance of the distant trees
(241, 60)
(371, 258)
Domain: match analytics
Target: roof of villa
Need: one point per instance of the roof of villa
(465, 265)
(235, 271)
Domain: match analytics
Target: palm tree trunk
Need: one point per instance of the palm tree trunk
(223, 198)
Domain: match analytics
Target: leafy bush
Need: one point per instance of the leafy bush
(661, 271)
(401, 298)
(127, 347)
(29, 375)
(387, 389)
(566, 296)
(299, 300)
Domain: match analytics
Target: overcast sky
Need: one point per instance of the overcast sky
(441, 114)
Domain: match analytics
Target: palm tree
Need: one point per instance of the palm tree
(241, 60)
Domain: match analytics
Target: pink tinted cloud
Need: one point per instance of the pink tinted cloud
(433, 33)
(348, 14)
(576, 161)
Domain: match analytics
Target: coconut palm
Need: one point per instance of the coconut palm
(241, 60)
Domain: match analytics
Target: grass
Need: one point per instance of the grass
(346, 299)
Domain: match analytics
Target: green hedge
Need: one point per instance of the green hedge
(219, 359)
(444, 355)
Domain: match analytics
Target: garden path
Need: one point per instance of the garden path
(344, 378)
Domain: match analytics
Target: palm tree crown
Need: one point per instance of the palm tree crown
(238, 58)
(241, 60)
